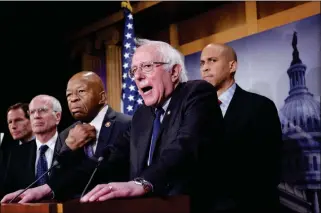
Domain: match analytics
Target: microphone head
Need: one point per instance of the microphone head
(55, 163)
(100, 159)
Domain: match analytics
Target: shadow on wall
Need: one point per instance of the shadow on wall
(262, 88)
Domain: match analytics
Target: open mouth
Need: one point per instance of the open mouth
(146, 89)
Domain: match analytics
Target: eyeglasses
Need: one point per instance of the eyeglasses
(40, 111)
(146, 67)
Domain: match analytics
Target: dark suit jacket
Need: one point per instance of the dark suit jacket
(189, 139)
(21, 166)
(253, 141)
(3, 172)
(118, 123)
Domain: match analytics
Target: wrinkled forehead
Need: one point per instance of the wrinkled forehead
(145, 54)
(39, 103)
(76, 83)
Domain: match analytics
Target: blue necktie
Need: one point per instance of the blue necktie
(89, 150)
(156, 127)
(42, 165)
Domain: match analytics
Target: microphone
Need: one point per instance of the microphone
(100, 159)
(54, 164)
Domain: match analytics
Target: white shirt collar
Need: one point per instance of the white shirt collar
(33, 138)
(98, 120)
(50, 143)
(166, 104)
(226, 98)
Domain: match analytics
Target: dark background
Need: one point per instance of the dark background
(35, 56)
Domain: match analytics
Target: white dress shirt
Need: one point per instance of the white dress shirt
(165, 106)
(226, 98)
(50, 151)
(97, 122)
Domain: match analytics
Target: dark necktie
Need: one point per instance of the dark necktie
(219, 102)
(156, 127)
(89, 150)
(42, 165)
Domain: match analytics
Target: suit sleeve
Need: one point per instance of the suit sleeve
(66, 183)
(268, 135)
(192, 145)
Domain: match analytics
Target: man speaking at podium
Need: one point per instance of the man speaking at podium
(174, 138)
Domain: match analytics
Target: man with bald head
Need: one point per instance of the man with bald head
(172, 141)
(253, 137)
(97, 128)
(30, 160)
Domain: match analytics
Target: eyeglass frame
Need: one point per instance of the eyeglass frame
(152, 63)
(40, 111)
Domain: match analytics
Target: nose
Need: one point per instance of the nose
(36, 114)
(139, 75)
(13, 125)
(73, 98)
(204, 68)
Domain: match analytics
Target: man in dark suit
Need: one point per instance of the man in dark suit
(175, 137)
(173, 141)
(98, 127)
(19, 127)
(30, 160)
(253, 137)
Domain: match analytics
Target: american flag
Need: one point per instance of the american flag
(130, 97)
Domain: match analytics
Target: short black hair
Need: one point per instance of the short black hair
(23, 106)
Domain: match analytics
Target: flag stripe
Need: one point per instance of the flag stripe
(130, 96)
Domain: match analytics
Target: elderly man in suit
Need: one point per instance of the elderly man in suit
(173, 141)
(253, 137)
(97, 127)
(30, 160)
(175, 137)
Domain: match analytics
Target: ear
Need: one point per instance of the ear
(58, 117)
(233, 67)
(103, 97)
(175, 72)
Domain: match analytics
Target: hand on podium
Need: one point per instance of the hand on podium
(108, 191)
(30, 195)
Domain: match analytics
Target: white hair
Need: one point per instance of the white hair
(168, 54)
(56, 106)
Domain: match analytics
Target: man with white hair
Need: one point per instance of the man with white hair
(174, 136)
(30, 160)
(173, 139)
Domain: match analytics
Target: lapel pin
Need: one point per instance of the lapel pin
(107, 124)
(169, 112)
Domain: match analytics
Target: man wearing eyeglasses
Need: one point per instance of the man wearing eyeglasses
(173, 140)
(98, 126)
(30, 160)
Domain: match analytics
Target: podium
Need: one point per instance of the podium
(179, 204)
(31, 208)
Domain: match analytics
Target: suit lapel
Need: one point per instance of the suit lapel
(32, 158)
(232, 116)
(58, 146)
(171, 109)
(105, 130)
(145, 136)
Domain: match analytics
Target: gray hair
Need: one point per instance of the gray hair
(56, 106)
(168, 54)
